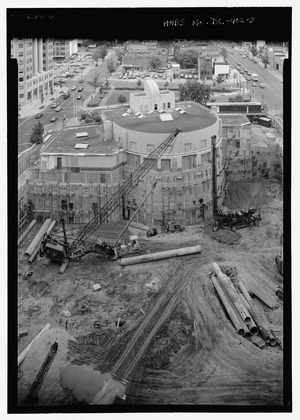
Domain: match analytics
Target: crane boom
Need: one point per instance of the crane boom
(130, 183)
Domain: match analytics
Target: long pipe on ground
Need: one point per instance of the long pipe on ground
(235, 309)
(26, 350)
(26, 231)
(252, 326)
(161, 255)
(228, 308)
(232, 293)
(264, 332)
(38, 237)
(35, 252)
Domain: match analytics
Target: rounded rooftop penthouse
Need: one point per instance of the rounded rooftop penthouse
(151, 87)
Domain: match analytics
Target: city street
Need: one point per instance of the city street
(70, 107)
(272, 94)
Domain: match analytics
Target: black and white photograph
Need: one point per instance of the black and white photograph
(149, 164)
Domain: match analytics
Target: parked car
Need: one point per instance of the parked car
(254, 84)
(80, 89)
(78, 97)
(80, 80)
(54, 105)
(53, 119)
(73, 88)
(39, 115)
(186, 76)
(58, 108)
(262, 86)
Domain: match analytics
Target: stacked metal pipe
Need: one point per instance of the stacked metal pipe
(239, 307)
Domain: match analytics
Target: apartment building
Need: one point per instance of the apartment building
(63, 49)
(35, 70)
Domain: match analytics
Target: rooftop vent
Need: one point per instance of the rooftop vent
(81, 146)
(82, 134)
(166, 117)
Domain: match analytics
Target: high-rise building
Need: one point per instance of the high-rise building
(63, 49)
(35, 70)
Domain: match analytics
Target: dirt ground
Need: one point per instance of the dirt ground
(175, 343)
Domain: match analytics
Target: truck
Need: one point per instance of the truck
(254, 77)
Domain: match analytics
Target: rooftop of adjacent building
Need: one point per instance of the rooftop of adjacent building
(197, 117)
(234, 120)
(66, 140)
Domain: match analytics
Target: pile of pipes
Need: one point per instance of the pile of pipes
(36, 243)
(240, 308)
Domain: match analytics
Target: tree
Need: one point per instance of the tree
(110, 64)
(100, 52)
(120, 52)
(254, 50)
(187, 59)
(122, 99)
(224, 53)
(37, 135)
(220, 79)
(94, 81)
(265, 60)
(192, 90)
(155, 63)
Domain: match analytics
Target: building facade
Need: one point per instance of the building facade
(35, 70)
(63, 49)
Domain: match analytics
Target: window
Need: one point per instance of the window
(59, 163)
(133, 145)
(155, 107)
(102, 178)
(28, 96)
(169, 104)
(21, 95)
(187, 146)
(237, 144)
(150, 147)
(20, 54)
(20, 45)
(203, 143)
(21, 79)
(164, 105)
(189, 162)
(166, 164)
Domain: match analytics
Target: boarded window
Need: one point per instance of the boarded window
(205, 158)
(189, 162)
(73, 161)
(133, 145)
(203, 143)
(133, 160)
(187, 146)
(166, 164)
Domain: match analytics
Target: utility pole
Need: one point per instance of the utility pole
(214, 177)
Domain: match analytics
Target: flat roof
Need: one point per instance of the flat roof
(233, 119)
(66, 141)
(196, 118)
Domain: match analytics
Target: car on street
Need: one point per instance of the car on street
(262, 86)
(78, 97)
(81, 80)
(54, 105)
(254, 84)
(39, 115)
(73, 88)
(58, 108)
(80, 89)
(53, 119)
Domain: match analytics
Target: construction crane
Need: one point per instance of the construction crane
(32, 395)
(63, 251)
